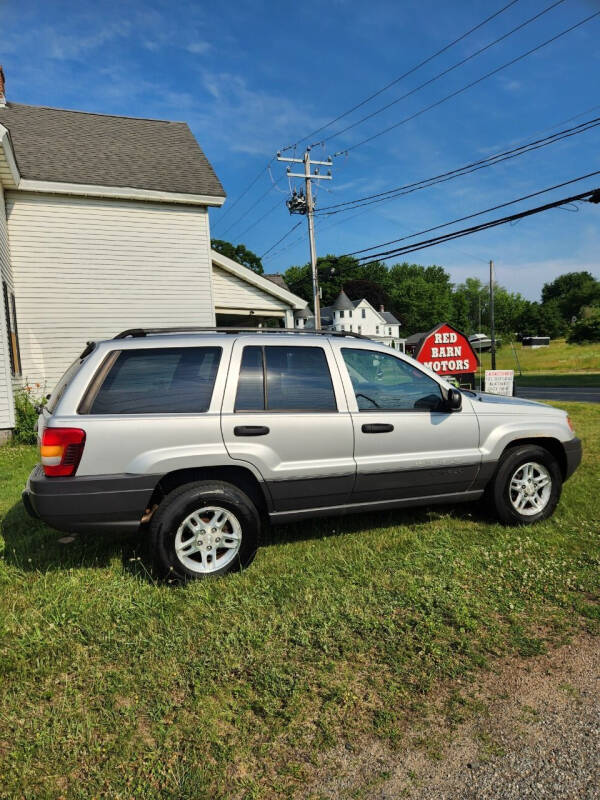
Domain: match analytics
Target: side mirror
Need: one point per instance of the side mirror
(453, 400)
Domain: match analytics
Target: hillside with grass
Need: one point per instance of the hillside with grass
(558, 360)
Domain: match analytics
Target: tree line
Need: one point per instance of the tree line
(422, 296)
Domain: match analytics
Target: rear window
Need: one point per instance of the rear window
(174, 380)
(61, 386)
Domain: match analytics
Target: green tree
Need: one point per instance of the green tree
(421, 296)
(586, 329)
(572, 291)
(470, 302)
(335, 273)
(238, 253)
(374, 292)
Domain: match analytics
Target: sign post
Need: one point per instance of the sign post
(499, 381)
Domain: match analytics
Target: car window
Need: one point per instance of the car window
(284, 379)
(382, 381)
(251, 389)
(159, 381)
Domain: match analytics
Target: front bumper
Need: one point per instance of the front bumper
(93, 504)
(573, 454)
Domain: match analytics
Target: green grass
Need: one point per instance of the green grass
(559, 358)
(113, 686)
(558, 379)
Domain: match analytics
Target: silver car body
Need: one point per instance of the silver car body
(309, 463)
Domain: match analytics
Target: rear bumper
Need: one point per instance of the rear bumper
(89, 504)
(573, 454)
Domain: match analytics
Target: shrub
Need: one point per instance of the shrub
(586, 329)
(26, 414)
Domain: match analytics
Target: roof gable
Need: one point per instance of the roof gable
(257, 280)
(76, 147)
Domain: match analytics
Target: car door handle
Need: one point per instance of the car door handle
(251, 430)
(377, 427)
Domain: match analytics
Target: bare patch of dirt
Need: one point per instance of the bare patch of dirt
(528, 729)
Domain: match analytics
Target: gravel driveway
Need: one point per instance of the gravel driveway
(535, 734)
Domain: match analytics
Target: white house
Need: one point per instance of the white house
(104, 226)
(358, 316)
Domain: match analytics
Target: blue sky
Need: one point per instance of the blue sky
(250, 77)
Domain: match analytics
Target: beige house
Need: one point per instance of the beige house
(104, 226)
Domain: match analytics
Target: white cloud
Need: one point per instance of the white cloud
(72, 46)
(199, 47)
(247, 120)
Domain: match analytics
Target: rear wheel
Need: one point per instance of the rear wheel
(527, 486)
(202, 529)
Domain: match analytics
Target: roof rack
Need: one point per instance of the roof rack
(135, 333)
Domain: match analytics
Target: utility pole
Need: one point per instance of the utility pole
(304, 204)
(492, 322)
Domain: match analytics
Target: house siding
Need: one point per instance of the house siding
(7, 419)
(232, 292)
(86, 269)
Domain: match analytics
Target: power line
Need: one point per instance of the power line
(470, 216)
(474, 166)
(589, 195)
(285, 235)
(469, 85)
(252, 207)
(260, 219)
(401, 77)
(446, 71)
(244, 193)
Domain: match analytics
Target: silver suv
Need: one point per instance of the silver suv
(203, 437)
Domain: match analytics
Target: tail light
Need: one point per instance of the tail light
(61, 450)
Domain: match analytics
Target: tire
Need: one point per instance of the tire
(508, 492)
(187, 546)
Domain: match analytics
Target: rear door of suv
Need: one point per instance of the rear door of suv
(285, 412)
(407, 444)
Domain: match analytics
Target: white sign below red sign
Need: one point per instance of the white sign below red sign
(499, 381)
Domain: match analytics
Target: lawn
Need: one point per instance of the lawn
(559, 358)
(113, 686)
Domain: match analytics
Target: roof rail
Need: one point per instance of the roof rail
(139, 332)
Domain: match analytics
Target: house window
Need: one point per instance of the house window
(376, 328)
(342, 314)
(363, 313)
(390, 331)
(360, 328)
(350, 327)
(350, 312)
(12, 330)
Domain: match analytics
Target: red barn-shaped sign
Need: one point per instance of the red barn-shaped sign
(446, 351)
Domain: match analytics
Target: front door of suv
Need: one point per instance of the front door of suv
(285, 412)
(407, 444)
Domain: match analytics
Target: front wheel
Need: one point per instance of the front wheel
(527, 486)
(202, 529)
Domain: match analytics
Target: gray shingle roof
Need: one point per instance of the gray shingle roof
(342, 302)
(389, 317)
(277, 279)
(51, 144)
